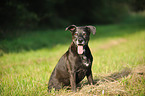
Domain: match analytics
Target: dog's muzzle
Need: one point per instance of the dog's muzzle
(80, 44)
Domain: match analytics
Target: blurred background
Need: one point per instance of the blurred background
(31, 14)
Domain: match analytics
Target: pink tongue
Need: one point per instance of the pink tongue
(80, 49)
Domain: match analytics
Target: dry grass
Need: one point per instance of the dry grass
(111, 85)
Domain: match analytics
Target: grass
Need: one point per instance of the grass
(26, 61)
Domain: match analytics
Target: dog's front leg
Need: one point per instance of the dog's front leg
(72, 76)
(90, 77)
(73, 81)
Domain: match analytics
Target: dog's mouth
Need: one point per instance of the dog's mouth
(80, 49)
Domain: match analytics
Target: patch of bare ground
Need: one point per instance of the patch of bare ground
(114, 84)
(112, 43)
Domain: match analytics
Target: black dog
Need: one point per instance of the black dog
(76, 63)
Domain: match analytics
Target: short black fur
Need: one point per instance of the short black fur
(72, 66)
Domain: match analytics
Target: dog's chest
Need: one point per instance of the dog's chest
(85, 60)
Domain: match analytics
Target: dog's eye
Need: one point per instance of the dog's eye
(84, 34)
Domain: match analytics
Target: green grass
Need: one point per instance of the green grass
(26, 61)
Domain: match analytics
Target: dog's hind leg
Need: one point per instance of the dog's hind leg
(54, 84)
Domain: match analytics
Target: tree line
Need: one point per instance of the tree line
(60, 13)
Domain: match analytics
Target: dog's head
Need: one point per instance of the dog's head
(80, 35)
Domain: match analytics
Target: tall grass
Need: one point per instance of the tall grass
(26, 62)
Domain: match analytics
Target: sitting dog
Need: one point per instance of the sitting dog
(76, 63)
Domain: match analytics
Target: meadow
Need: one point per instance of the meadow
(27, 60)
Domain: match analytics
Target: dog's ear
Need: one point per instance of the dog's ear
(91, 29)
(71, 28)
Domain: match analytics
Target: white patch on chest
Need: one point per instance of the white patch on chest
(86, 64)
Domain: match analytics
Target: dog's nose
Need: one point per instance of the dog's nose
(80, 40)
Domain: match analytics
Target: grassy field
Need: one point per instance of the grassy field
(27, 61)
